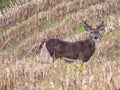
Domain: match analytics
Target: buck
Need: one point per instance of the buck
(79, 50)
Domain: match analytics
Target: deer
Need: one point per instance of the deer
(79, 50)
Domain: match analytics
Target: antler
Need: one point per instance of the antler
(101, 24)
(87, 24)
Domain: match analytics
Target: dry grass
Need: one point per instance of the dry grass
(22, 10)
(22, 69)
(29, 73)
(68, 25)
(28, 27)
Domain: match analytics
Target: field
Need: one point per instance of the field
(24, 24)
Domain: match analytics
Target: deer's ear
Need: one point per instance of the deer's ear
(101, 27)
(87, 28)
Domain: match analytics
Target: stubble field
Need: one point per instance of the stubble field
(22, 31)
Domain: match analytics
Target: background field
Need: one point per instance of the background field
(24, 24)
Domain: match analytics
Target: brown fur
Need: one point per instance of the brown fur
(81, 50)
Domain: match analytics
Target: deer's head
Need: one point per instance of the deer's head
(94, 31)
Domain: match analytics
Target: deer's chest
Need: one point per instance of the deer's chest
(87, 53)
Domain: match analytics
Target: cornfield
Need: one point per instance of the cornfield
(26, 23)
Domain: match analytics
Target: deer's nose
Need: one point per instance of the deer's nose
(95, 37)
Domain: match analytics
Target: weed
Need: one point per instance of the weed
(50, 25)
(79, 30)
(114, 55)
(2, 72)
(10, 48)
(4, 3)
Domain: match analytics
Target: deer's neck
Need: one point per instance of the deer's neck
(93, 43)
(96, 44)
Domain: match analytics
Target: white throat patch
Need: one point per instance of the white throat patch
(96, 44)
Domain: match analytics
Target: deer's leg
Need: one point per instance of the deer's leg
(54, 55)
(80, 57)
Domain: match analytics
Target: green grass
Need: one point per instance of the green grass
(114, 55)
(2, 72)
(3, 29)
(50, 25)
(4, 3)
(79, 30)
(115, 32)
(10, 48)
(76, 67)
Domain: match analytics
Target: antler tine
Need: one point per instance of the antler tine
(86, 23)
(101, 23)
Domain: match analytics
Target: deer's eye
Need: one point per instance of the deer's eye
(91, 32)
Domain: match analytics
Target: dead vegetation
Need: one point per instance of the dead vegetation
(22, 10)
(20, 64)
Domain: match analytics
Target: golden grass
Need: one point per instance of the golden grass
(18, 71)
(22, 11)
(99, 73)
(68, 25)
(43, 16)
